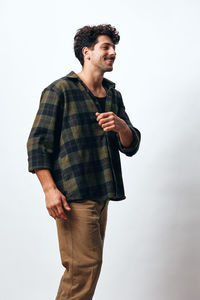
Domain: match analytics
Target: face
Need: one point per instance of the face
(103, 54)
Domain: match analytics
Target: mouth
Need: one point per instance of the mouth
(109, 60)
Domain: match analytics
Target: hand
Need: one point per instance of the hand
(111, 122)
(55, 202)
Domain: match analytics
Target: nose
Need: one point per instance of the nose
(112, 51)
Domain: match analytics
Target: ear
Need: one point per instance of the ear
(86, 53)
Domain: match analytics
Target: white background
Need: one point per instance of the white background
(152, 246)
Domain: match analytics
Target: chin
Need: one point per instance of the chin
(108, 69)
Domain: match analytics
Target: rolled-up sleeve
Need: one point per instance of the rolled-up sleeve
(41, 140)
(134, 146)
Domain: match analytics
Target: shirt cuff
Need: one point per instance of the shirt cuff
(38, 162)
(133, 147)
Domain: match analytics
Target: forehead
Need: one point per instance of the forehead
(104, 39)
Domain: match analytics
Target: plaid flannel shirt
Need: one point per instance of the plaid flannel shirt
(66, 139)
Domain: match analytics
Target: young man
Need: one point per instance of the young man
(73, 147)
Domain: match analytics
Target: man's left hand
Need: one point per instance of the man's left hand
(111, 122)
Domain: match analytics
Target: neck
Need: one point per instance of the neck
(93, 79)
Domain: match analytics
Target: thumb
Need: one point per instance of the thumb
(65, 203)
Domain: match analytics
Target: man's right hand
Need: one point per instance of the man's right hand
(56, 203)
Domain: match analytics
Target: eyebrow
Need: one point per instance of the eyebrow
(109, 44)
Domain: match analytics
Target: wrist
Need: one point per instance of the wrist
(49, 187)
(124, 128)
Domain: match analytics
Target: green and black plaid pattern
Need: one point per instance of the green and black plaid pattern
(66, 139)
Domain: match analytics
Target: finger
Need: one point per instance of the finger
(108, 113)
(65, 204)
(107, 119)
(104, 115)
(52, 209)
(60, 212)
(108, 124)
(51, 213)
(110, 128)
(55, 212)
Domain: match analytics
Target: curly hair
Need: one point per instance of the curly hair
(87, 37)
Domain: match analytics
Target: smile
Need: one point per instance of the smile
(109, 60)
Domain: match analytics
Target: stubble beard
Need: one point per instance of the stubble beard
(107, 68)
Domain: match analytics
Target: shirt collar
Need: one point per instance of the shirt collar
(109, 83)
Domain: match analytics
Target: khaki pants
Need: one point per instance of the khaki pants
(81, 239)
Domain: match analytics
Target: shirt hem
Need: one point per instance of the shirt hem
(120, 198)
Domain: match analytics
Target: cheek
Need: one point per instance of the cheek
(94, 58)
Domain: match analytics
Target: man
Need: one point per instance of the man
(73, 147)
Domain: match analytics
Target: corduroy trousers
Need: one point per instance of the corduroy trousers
(81, 239)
